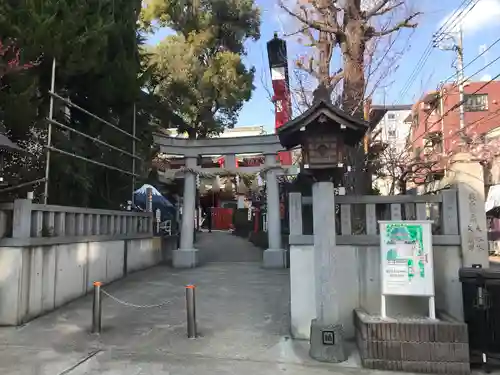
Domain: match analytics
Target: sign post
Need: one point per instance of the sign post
(406, 261)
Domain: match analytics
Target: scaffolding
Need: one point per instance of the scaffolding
(50, 148)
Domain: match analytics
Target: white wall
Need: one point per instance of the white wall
(36, 280)
(393, 128)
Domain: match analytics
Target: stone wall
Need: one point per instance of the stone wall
(37, 279)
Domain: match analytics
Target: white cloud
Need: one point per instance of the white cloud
(485, 13)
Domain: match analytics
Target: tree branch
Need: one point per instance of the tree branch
(309, 68)
(336, 78)
(311, 23)
(378, 9)
(371, 32)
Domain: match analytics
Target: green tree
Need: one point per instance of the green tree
(96, 46)
(198, 71)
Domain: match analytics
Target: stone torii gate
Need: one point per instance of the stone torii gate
(268, 145)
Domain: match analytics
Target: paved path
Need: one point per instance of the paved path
(224, 247)
(242, 317)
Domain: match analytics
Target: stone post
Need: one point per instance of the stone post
(187, 256)
(468, 178)
(275, 255)
(21, 225)
(326, 330)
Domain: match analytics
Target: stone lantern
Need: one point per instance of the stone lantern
(324, 132)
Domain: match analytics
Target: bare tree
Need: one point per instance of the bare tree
(356, 28)
(395, 169)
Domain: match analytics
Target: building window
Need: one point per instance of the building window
(476, 102)
(391, 116)
(391, 133)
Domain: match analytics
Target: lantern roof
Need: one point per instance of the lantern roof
(353, 128)
(277, 52)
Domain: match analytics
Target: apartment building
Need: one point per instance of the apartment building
(435, 118)
(392, 126)
(391, 130)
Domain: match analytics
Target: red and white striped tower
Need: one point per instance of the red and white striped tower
(278, 63)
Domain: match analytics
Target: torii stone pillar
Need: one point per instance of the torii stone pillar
(275, 255)
(187, 256)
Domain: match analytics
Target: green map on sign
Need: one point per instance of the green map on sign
(407, 234)
(392, 254)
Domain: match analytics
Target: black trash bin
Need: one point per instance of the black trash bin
(481, 302)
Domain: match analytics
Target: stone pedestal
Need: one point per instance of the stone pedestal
(187, 256)
(327, 342)
(275, 255)
(274, 258)
(327, 322)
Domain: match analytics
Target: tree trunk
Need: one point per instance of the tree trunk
(358, 181)
(353, 49)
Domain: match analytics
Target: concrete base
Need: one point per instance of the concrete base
(185, 258)
(327, 342)
(274, 258)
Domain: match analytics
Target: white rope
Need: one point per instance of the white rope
(122, 302)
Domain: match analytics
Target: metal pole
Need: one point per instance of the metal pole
(134, 123)
(191, 311)
(97, 308)
(441, 112)
(460, 73)
(49, 133)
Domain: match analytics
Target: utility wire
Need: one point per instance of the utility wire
(468, 78)
(461, 17)
(476, 58)
(429, 49)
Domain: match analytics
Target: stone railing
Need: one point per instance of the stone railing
(50, 255)
(26, 223)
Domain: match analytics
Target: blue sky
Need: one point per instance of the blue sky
(480, 25)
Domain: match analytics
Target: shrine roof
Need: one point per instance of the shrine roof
(288, 132)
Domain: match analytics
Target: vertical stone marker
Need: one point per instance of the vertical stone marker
(466, 174)
(326, 331)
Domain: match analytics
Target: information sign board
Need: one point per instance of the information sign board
(406, 261)
(406, 258)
